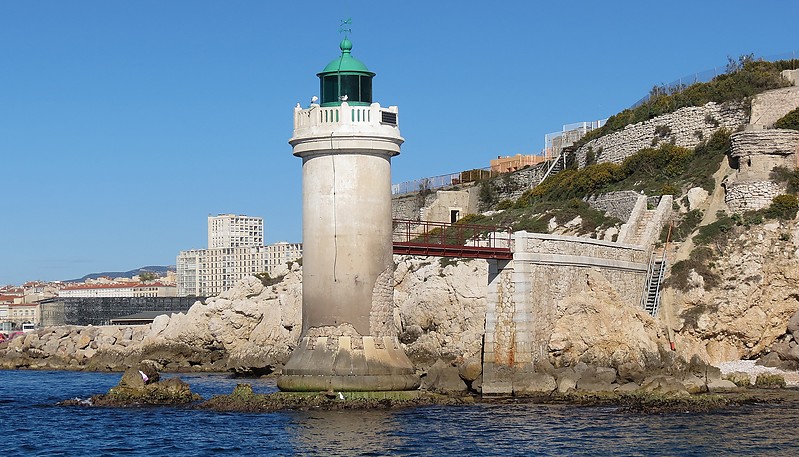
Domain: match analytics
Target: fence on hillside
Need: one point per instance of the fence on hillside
(437, 182)
(704, 76)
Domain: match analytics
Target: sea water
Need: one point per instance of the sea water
(32, 425)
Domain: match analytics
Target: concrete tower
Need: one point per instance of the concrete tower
(349, 339)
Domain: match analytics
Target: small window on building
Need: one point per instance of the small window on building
(453, 215)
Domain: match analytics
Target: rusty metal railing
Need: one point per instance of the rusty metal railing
(451, 240)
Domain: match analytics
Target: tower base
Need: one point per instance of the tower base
(348, 363)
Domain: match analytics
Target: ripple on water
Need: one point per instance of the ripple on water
(481, 429)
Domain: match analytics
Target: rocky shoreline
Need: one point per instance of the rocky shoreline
(142, 387)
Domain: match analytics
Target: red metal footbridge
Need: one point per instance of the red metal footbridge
(451, 240)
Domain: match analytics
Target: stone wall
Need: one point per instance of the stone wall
(446, 201)
(508, 186)
(769, 106)
(791, 75)
(615, 204)
(524, 295)
(99, 311)
(409, 206)
(685, 127)
(749, 196)
(755, 153)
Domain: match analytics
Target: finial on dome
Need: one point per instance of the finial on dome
(345, 28)
(346, 46)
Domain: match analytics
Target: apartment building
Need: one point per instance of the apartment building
(127, 289)
(235, 250)
(231, 231)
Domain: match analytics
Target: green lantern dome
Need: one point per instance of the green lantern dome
(345, 79)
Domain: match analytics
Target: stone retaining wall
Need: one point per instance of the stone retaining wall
(615, 204)
(769, 106)
(508, 186)
(523, 295)
(749, 196)
(408, 206)
(755, 154)
(685, 127)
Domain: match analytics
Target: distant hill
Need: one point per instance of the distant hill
(158, 269)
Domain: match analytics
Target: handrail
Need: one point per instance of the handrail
(551, 167)
(472, 237)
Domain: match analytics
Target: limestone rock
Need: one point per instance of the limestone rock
(594, 326)
(693, 384)
(534, 384)
(442, 377)
(696, 196)
(470, 369)
(664, 385)
(721, 385)
(595, 379)
(567, 381)
(752, 306)
(441, 307)
(793, 325)
(628, 387)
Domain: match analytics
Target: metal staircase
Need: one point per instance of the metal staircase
(657, 270)
(557, 165)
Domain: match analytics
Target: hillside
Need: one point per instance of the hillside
(157, 269)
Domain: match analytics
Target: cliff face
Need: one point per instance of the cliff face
(594, 327)
(749, 310)
(440, 311)
(440, 307)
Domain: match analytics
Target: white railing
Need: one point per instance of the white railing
(340, 115)
(576, 130)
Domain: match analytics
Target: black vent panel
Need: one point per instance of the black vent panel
(387, 117)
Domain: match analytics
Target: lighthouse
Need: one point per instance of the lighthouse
(346, 142)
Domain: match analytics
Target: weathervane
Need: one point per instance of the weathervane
(345, 27)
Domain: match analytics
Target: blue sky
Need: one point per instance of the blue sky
(124, 124)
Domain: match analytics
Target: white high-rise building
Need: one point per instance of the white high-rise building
(235, 250)
(232, 231)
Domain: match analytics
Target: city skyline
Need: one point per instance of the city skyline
(123, 126)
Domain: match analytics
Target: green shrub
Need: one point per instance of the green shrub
(746, 78)
(267, 280)
(788, 176)
(748, 218)
(505, 204)
(699, 260)
(715, 232)
(739, 379)
(783, 207)
(769, 381)
(470, 218)
(669, 189)
(685, 226)
(789, 121)
(487, 194)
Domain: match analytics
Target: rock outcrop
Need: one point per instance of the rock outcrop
(595, 328)
(750, 309)
(440, 308)
(251, 328)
